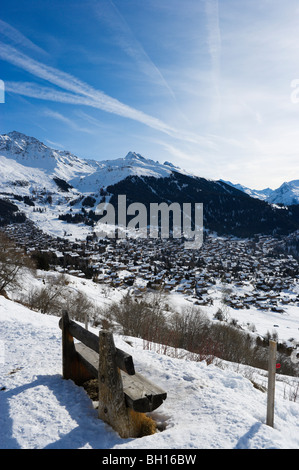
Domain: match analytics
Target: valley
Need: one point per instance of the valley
(242, 273)
(248, 261)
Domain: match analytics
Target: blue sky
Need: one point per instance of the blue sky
(209, 85)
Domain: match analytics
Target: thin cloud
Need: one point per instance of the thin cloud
(127, 41)
(125, 38)
(214, 36)
(100, 101)
(84, 94)
(55, 144)
(214, 46)
(17, 38)
(69, 122)
(50, 74)
(78, 92)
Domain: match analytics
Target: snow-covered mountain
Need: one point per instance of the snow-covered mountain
(27, 162)
(262, 194)
(287, 194)
(32, 154)
(110, 172)
(58, 190)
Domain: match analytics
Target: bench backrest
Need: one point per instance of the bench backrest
(123, 360)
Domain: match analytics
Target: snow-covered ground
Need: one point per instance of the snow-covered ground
(212, 406)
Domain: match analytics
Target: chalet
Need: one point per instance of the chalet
(167, 265)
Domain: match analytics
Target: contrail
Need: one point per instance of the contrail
(127, 41)
(18, 38)
(214, 45)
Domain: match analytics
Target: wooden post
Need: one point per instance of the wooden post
(68, 349)
(271, 383)
(112, 406)
(72, 368)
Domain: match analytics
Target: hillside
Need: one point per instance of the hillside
(29, 164)
(226, 210)
(59, 191)
(207, 407)
(215, 406)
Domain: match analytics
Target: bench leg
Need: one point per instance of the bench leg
(72, 367)
(112, 406)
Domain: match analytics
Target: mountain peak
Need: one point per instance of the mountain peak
(15, 140)
(287, 193)
(135, 156)
(19, 137)
(171, 165)
(17, 134)
(34, 154)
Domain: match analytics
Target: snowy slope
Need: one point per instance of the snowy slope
(26, 159)
(28, 168)
(207, 407)
(110, 172)
(57, 181)
(32, 153)
(19, 179)
(262, 194)
(25, 163)
(287, 193)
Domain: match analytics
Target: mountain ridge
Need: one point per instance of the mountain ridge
(40, 179)
(84, 172)
(81, 172)
(286, 194)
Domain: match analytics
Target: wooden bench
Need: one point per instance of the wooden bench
(121, 389)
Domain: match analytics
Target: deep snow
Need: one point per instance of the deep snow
(212, 406)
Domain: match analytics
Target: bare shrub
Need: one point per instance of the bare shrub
(80, 307)
(13, 262)
(190, 327)
(47, 298)
(291, 391)
(138, 317)
(165, 331)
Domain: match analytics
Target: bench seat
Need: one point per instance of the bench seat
(140, 393)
